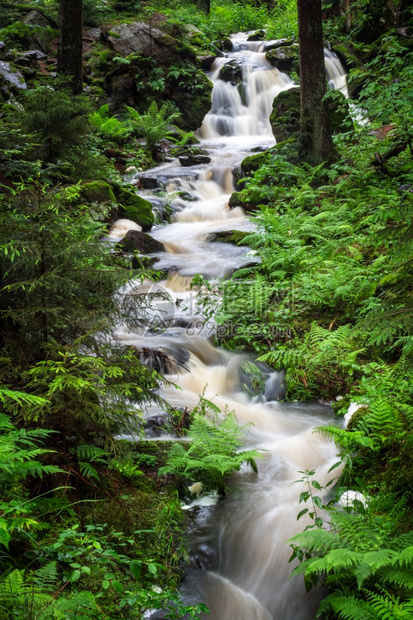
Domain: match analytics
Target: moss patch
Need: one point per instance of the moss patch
(133, 207)
(97, 191)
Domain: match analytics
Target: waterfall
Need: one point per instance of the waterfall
(239, 558)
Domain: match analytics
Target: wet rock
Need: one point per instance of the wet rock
(2, 45)
(157, 425)
(194, 160)
(285, 59)
(135, 241)
(285, 115)
(242, 92)
(276, 43)
(206, 61)
(248, 199)
(10, 78)
(204, 556)
(147, 182)
(258, 35)
(224, 45)
(238, 178)
(230, 236)
(43, 33)
(231, 72)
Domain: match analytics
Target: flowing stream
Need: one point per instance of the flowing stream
(239, 557)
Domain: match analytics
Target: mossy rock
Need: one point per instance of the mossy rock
(133, 207)
(253, 162)
(97, 191)
(135, 241)
(285, 115)
(193, 105)
(285, 59)
(236, 237)
(248, 199)
(259, 35)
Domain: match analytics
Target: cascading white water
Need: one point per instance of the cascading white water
(246, 556)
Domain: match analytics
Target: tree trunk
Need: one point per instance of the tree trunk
(69, 59)
(204, 5)
(315, 136)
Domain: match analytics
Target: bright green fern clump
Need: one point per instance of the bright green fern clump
(213, 451)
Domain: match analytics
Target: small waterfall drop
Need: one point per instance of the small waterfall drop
(239, 558)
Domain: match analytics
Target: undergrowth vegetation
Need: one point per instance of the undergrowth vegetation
(335, 301)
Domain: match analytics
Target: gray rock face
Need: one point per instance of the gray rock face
(11, 78)
(42, 36)
(140, 37)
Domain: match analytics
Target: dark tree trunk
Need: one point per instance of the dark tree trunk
(204, 5)
(69, 59)
(315, 136)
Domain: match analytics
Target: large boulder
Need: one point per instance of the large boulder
(285, 59)
(231, 71)
(11, 80)
(126, 203)
(42, 32)
(134, 207)
(285, 115)
(192, 99)
(97, 191)
(147, 40)
(135, 241)
(159, 67)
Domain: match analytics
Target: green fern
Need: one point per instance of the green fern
(153, 125)
(213, 452)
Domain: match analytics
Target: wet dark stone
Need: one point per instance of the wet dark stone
(146, 182)
(140, 242)
(194, 160)
(204, 556)
(276, 43)
(231, 71)
(285, 59)
(256, 36)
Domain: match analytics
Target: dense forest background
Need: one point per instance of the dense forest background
(89, 528)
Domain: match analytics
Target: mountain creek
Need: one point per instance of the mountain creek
(238, 553)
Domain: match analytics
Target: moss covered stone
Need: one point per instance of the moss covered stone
(236, 237)
(253, 162)
(285, 59)
(133, 207)
(248, 199)
(97, 191)
(285, 115)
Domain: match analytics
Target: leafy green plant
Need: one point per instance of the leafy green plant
(109, 126)
(153, 125)
(214, 450)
